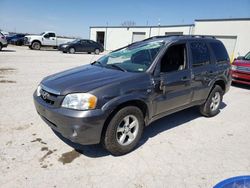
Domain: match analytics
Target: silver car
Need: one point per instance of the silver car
(3, 41)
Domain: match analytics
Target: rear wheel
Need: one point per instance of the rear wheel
(124, 131)
(97, 51)
(212, 105)
(72, 50)
(36, 45)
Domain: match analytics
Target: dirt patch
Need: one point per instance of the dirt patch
(44, 149)
(22, 127)
(44, 166)
(68, 157)
(6, 70)
(46, 155)
(7, 81)
(39, 140)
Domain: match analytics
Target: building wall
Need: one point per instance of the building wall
(117, 37)
(226, 30)
(234, 33)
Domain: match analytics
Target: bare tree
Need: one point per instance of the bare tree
(128, 23)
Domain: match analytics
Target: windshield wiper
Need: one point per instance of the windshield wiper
(97, 62)
(118, 67)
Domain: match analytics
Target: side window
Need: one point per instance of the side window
(200, 54)
(219, 52)
(52, 35)
(174, 59)
(84, 42)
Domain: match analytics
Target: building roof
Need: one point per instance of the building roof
(180, 25)
(222, 19)
(152, 26)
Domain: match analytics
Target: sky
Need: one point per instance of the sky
(74, 17)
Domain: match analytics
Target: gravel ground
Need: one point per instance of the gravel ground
(181, 150)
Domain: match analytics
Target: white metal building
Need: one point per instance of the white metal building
(234, 33)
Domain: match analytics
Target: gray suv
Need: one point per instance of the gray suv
(113, 99)
(3, 41)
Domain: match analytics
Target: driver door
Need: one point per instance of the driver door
(175, 80)
(49, 39)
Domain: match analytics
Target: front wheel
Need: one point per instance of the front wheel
(212, 105)
(124, 131)
(1, 47)
(72, 50)
(97, 51)
(36, 46)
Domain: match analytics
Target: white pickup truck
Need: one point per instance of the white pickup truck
(46, 39)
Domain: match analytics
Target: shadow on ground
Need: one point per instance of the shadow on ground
(159, 126)
(243, 86)
(3, 50)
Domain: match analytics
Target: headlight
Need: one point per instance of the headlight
(80, 101)
(38, 91)
(234, 67)
(64, 46)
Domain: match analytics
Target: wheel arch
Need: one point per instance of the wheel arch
(135, 102)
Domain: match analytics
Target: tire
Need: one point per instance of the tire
(72, 50)
(124, 131)
(212, 105)
(1, 47)
(97, 51)
(36, 45)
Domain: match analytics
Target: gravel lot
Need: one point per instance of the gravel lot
(181, 150)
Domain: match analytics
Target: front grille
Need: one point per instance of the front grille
(243, 69)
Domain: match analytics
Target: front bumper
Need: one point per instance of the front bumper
(241, 77)
(4, 45)
(82, 127)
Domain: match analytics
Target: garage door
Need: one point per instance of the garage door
(229, 42)
(138, 36)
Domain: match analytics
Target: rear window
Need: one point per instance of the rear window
(200, 53)
(219, 52)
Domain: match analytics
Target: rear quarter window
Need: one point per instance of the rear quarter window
(219, 51)
(200, 54)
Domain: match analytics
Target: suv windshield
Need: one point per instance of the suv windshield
(134, 58)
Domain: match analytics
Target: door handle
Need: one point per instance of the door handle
(184, 78)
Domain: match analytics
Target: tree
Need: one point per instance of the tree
(128, 23)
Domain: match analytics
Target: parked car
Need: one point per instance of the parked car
(241, 69)
(3, 41)
(45, 39)
(17, 39)
(114, 98)
(81, 45)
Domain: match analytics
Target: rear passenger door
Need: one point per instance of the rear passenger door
(203, 70)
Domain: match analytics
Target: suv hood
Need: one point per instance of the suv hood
(243, 63)
(83, 79)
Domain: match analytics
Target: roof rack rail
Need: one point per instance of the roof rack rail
(165, 36)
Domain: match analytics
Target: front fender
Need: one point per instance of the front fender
(112, 104)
